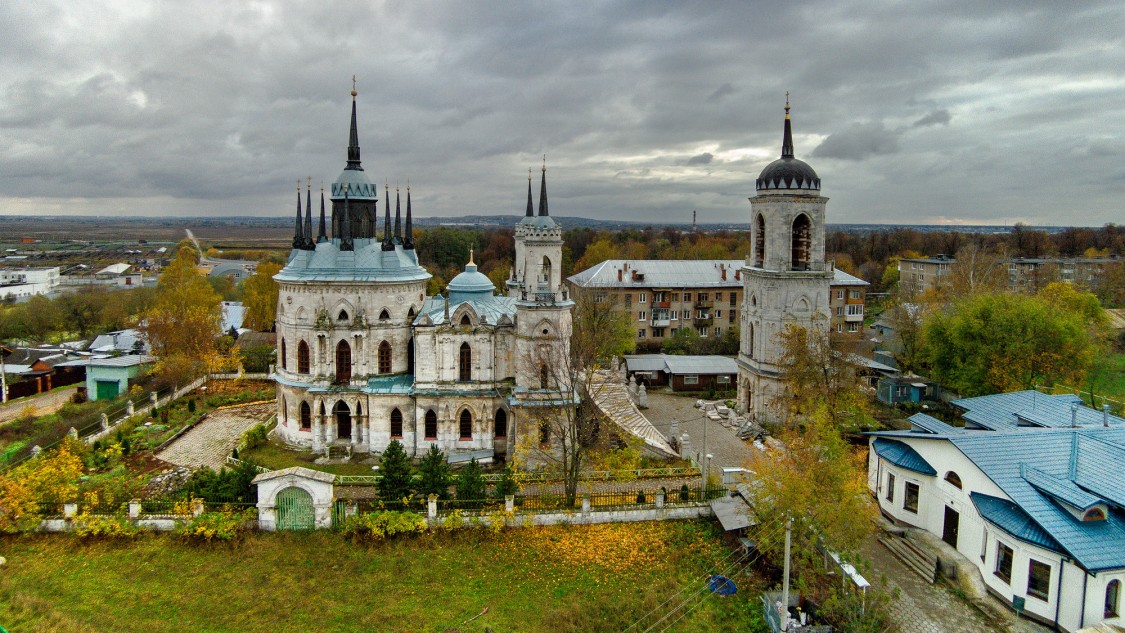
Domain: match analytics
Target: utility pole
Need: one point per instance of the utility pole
(785, 581)
(3, 378)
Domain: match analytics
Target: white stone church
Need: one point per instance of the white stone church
(366, 357)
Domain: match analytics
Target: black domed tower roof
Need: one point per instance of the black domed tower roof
(787, 172)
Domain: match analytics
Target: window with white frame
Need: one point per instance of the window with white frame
(853, 327)
(641, 333)
(691, 380)
(642, 297)
(855, 309)
(641, 315)
(853, 294)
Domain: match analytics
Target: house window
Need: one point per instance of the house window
(465, 364)
(687, 296)
(466, 425)
(718, 314)
(855, 309)
(910, 498)
(703, 296)
(674, 315)
(641, 316)
(599, 297)
(1038, 579)
(431, 425)
(691, 380)
(717, 331)
(628, 298)
(396, 423)
(306, 416)
(954, 479)
(839, 310)
(641, 333)
(839, 295)
(733, 300)
(384, 358)
(730, 316)
(722, 380)
(657, 332)
(718, 296)
(853, 294)
(302, 358)
(1004, 556)
(1113, 598)
(642, 297)
(283, 355)
(853, 327)
(891, 487)
(500, 427)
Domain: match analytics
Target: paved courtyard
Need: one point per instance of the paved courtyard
(728, 449)
(210, 441)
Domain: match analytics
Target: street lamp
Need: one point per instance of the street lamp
(707, 477)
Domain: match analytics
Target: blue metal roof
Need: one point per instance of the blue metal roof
(924, 423)
(401, 384)
(1006, 411)
(1009, 517)
(1094, 455)
(367, 263)
(1063, 490)
(902, 455)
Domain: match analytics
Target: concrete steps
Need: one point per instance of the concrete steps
(914, 557)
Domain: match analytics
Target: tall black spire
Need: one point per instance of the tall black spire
(787, 140)
(298, 237)
(322, 236)
(346, 226)
(409, 241)
(308, 234)
(353, 139)
(398, 217)
(543, 190)
(530, 209)
(388, 245)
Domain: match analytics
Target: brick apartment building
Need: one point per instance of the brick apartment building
(1024, 273)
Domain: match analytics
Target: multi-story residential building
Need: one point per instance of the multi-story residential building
(924, 273)
(846, 301)
(1032, 273)
(666, 295)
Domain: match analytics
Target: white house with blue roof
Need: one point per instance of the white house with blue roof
(366, 357)
(1031, 491)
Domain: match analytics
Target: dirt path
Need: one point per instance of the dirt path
(43, 403)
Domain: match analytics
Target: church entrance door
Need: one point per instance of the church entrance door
(343, 419)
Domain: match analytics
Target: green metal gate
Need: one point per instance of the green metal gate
(295, 510)
(106, 389)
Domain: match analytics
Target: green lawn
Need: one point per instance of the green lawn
(1111, 381)
(275, 456)
(595, 578)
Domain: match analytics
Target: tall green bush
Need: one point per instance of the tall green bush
(397, 473)
(470, 483)
(434, 474)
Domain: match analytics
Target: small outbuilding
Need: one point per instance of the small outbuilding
(683, 373)
(107, 378)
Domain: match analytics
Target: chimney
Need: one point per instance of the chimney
(724, 271)
(737, 274)
(1074, 416)
(1105, 415)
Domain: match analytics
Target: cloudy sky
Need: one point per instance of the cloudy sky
(911, 112)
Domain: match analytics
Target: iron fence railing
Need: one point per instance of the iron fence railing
(544, 477)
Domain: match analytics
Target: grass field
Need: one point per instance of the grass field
(589, 578)
(275, 456)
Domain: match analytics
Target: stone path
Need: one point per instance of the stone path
(728, 449)
(920, 606)
(210, 441)
(43, 404)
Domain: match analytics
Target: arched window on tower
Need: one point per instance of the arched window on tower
(546, 271)
(306, 416)
(750, 341)
(410, 356)
(431, 425)
(466, 425)
(500, 428)
(760, 241)
(384, 358)
(465, 363)
(802, 242)
(384, 315)
(302, 358)
(283, 354)
(543, 376)
(465, 320)
(343, 362)
(396, 423)
(343, 316)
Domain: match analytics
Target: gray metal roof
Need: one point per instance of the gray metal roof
(841, 278)
(679, 365)
(928, 424)
(367, 263)
(661, 273)
(128, 360)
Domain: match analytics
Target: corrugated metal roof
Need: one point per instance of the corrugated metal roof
(903, 456)
(1064, 490)
(679, 365)
(661, 273)
(1004, 411)
(128, 360)
(841, 278)
(929, 424)
(1008, 517)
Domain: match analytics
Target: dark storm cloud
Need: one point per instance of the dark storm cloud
(953, 111)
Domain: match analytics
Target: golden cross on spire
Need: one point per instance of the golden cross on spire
(787, 104)
(354, 93)
(310, 182)
(471, 262)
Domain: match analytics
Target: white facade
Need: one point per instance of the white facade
(26, 282)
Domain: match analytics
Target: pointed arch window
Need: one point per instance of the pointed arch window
(543, 376)
(343, 316)
(465, 320)
(801, 242)
(410, 312)
(302, 358)
(500, 426)
(546, 279)
(343, 362)
(384, 358)
(283, 355)
(410, 356)
(465, 363)
(431, 425)
(466, 425)
(306, 416)
(396, 423)
(384, 315)
(760, 241)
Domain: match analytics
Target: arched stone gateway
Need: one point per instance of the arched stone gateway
(295, 499)
(295, 509)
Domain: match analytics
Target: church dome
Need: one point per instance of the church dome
(788, 173)
(470, 285)
(359, 185)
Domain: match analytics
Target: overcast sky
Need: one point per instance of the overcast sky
(911, 112)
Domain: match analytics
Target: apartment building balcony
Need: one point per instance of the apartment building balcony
(662, 305)
(661, 321)
(704, 305)
(705, 319)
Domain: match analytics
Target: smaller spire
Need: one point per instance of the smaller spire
(409, 222)
(387, 243)
(530, 208)
(543, 190)
(398, 217)
(298, 237)
(787, 140)
(471, 262)
(322, 236)
(307, 234)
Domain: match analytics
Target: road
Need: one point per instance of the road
(41, 404)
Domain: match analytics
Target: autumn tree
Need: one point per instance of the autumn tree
(819, 481)
(977, 270)
(905, 341)
(819, 371)
(52, 477)
(183, 322)
(990, 343)
(259, 295)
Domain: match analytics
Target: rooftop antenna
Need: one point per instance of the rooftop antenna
(1074, 415)
(1105, 415)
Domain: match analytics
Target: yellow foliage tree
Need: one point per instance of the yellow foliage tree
(260, 297)
(50, 478)
(183, 322)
